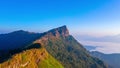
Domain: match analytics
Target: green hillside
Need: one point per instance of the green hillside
(33, 58)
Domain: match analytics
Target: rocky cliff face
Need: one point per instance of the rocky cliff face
(61, 45)
(60, 31)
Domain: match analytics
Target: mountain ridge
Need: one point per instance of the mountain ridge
(63, 47)
(68, 45)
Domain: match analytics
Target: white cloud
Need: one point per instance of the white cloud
(104, 47)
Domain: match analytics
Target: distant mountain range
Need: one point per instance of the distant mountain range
(112, 59)
(55, 48)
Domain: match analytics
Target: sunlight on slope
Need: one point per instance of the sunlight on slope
(33, 58)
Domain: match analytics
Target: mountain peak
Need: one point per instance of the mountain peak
(63, 30)
(60, 31)
(63, 27)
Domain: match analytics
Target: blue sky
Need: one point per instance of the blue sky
(81, 16)
(91, 18)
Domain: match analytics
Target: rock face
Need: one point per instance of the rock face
(61, 31)
(61, 45)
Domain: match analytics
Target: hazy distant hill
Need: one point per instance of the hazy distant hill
(17, 39)
(52, 49)
(112, 59)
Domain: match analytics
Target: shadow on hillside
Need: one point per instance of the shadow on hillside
(6, 55)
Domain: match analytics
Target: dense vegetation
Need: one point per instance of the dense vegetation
(72, 54)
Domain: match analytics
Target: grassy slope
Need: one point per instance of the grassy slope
(33, 58)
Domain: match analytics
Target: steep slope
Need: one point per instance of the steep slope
(112, 59)
(67, 50)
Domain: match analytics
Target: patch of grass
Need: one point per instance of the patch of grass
(50, 62)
